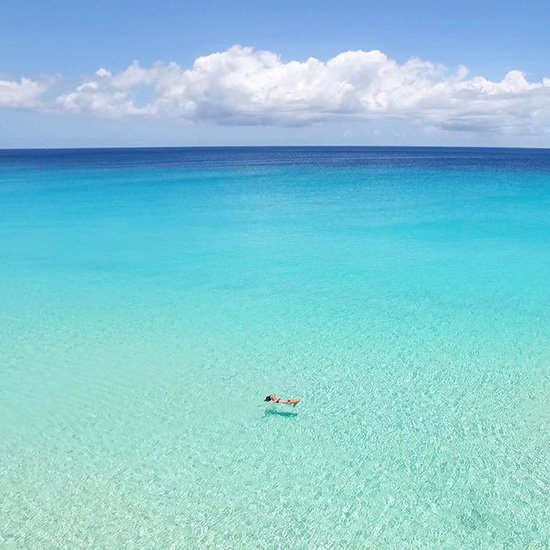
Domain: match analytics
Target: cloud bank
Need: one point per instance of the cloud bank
(23, 94)
(243, 86)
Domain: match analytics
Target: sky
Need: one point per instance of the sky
(171, 73)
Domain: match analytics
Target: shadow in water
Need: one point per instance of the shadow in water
(276, 412)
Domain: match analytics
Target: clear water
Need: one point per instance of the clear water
(150, 299)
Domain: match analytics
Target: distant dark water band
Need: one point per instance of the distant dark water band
(437, 158)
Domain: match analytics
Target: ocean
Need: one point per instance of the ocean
(151, 298)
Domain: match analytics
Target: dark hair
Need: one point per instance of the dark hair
(268, 398)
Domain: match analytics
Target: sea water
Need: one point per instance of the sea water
(151, 298)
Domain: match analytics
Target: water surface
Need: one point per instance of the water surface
(150, 299)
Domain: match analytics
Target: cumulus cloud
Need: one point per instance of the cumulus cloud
(23, 94)
(243, 86)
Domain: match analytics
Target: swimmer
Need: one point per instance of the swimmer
(274, 399)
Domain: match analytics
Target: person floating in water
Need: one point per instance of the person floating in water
(274, 399)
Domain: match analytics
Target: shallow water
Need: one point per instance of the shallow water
(152, 298)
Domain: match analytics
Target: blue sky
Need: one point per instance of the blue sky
(59, 45)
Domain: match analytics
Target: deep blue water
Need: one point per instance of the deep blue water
(345, 157)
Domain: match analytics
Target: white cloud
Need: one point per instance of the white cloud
(23, 94)
(242, 86)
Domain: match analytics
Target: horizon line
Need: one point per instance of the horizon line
(141, 147)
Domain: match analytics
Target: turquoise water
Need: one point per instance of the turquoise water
(150, 299)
